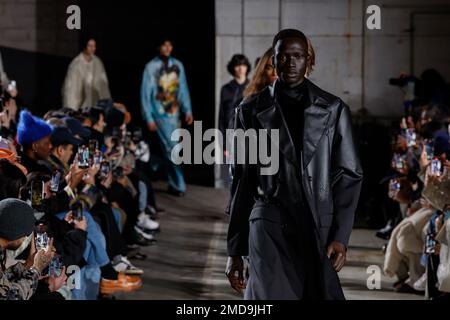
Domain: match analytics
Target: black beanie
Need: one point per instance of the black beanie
(16, 219)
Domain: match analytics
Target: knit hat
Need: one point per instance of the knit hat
(16, 219)
(31, 129)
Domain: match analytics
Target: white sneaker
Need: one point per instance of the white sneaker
(421, 283)
(145, 235)
(145, 222)
(124, 265)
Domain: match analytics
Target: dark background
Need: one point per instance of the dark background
(127, 34)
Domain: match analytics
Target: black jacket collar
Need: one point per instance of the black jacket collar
(316, 115)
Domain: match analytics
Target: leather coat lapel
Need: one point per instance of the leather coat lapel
(271, 118)
(316, 123)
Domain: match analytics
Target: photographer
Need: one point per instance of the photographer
(19, 281)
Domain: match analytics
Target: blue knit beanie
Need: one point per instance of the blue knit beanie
(31, 129)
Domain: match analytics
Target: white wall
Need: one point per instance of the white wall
(352, 62)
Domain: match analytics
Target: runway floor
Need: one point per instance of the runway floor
(189, 259)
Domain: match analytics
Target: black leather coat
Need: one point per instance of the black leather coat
(328, 172)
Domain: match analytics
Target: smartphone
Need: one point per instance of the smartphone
(83, 157)
(54, 183)
(395, 185)
(37, 193)
(137, 135)
(98, 158)
(411, 137)
(55, 267)
(12, 86)
(41, 237)
(436, 167)
(105, 168)
(429, 149)
(93, 146)
(118, 173)
(399, 162)
(117, 133)
(430, 244)
(77, 210)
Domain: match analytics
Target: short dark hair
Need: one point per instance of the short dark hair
(84, 40)
(289, 33)
(237, 60)
(93, 113)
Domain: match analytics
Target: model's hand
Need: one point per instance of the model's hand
(151, 126)
(236, 265)
(337, 253)
(188, 118)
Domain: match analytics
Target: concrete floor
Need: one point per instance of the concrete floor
(189, 259)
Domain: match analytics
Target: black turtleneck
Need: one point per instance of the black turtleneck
(293, 102)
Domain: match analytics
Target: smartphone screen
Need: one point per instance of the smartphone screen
(83, 157)
(56, 266)
(93, 146)
(54, 184)
(410, 137)
(436, 167)
(429, 149)
(41, 237)
(77, 211)
(37, 193)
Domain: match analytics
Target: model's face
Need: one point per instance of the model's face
(270, 72)
(166, 49)
(91, 47)
(43, 147)
(240, 71)
(291, 60)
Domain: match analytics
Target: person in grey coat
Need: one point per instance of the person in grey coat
(294, 225)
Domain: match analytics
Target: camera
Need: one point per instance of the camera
(402, 81)
(430, 244)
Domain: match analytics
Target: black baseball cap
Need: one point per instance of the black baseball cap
(76, 127)
(62, 136)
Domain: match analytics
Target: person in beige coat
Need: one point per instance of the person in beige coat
(443, 272)
(86, 81)
(405, 247)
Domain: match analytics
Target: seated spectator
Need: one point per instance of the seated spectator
(19, 282)
(33, 134)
